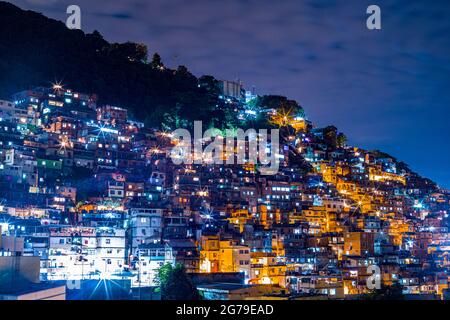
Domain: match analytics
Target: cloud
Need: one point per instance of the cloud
(116, 15)
(41, 2)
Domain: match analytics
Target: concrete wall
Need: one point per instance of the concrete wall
(18, 268)
(57, 293)
(11, 244)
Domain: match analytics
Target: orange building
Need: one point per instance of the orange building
(359, 243)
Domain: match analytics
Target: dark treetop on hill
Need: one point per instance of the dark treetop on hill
(35, 50)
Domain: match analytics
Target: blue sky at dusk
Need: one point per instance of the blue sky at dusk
(387, 90)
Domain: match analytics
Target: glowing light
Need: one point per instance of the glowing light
(282, 117)
(57, 86)
(4, 227)
(418, 205)
(108, 130)
(155, 150)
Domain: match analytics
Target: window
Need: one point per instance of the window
(108, 241)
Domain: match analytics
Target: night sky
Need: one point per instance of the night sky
(387, 89)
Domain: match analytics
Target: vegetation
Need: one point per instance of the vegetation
(175, 284)
(35, 50)
(341, 140)
(277, 102)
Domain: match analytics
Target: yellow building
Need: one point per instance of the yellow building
(397, 229)
(330, 173)
(359, 243)
(209, 254)
(345, 187)
(299, 124)
(267, 268)
(239, 219)
(234, 257)
(223, 256)
(320, 220)
(268, 218)
(278, 245)
(376, 174)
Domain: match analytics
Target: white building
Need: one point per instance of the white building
(72, 253)
(19, 165)
(85, 253)
(9, 112)
(231, 90)
(110, 252)
(149, 258)
(145, 226)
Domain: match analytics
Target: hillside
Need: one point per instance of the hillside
(35, 50)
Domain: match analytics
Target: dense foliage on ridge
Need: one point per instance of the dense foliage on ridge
(35, 50)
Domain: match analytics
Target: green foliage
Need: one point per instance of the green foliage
(157, 61)
(280, 103)
(35, 50)
(210, 84)
(341, 140)
(175, 284)
(276, 102)
(330, 136)
(261, 122)
(128, 50)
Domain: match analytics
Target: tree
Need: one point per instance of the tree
(275, 102)
(341, 140)
(129, 51)
(284, 114)
(183, 71)
(209, 84)
(157, 62)
(175, 284)
(330, 136)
